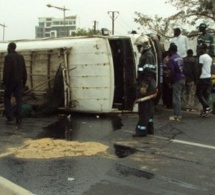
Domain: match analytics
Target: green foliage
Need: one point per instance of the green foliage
(84, 32)
(196, 11)
(157, 24)
(189, 15)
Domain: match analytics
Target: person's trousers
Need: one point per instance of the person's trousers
(190, 94)
(167, 95)
(203, 90)
(146, 112)
(178, 89)
(15, 91)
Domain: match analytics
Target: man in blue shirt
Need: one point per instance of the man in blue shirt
(175, 65)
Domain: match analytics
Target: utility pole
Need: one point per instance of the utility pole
(113, 15)
(94, 26)
(3, 29)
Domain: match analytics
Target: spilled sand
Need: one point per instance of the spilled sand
(53, 148)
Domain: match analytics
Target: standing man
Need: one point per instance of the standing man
(204, 83)
(190, 72)
(14, 79)
(146, 90)
(181, 42)
(175, 65)
(205, 38)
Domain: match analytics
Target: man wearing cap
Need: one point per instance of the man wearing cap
(206, 38)
(204, 84)
(181, 42)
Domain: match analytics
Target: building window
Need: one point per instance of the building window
(55, 23)
(48, 24)
(53, 33)
(41, 24)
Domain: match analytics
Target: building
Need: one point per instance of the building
(55, 27)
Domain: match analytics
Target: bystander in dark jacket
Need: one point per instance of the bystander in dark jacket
(14, 79)
(190, 71)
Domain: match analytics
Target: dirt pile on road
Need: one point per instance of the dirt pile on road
(51, 148)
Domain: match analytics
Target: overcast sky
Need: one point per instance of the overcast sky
(21, 16)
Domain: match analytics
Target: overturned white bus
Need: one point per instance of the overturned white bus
(98, 72)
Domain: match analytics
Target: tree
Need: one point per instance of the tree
(84, 32)
(190, 14)
(195, 11)
(156, 24)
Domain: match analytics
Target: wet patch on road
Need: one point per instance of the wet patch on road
(7, 133)
(128, 171)
(123, 151)
(78, 126)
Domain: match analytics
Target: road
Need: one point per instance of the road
(96, 154)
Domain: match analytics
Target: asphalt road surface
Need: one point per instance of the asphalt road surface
(96, 154)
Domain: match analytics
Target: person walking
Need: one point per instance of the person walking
(14, 79)
(205, 38)
(146, 90)
(204, 83)
(175, 65)
(190, 72)
(181, 42)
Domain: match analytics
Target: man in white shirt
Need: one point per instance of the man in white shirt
(181, 42)
(204, 83)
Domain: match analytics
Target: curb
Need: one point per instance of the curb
(9, 188)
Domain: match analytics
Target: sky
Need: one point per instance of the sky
(21, 16)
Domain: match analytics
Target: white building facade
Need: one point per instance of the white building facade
(56, 27)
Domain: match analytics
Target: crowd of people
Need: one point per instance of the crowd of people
(193, 72)
(185, 77)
